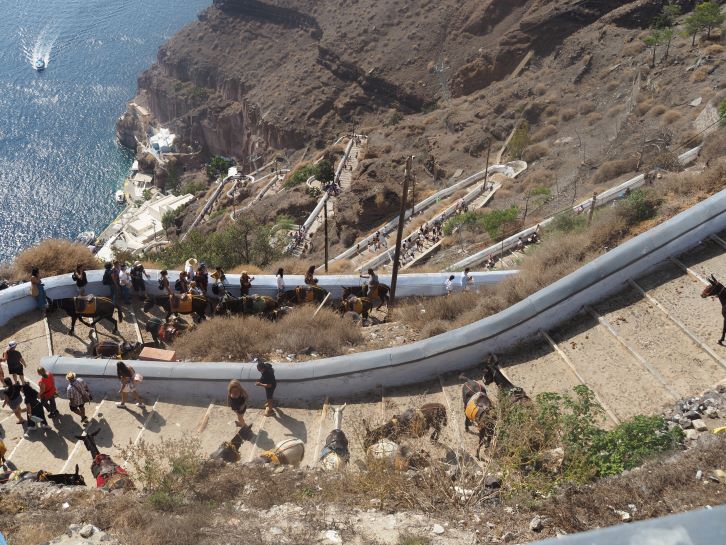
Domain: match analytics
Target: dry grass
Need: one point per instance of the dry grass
(714, 49)
(644, 105)
(633, 48)
(543, 133)
(567, 114)
(586, 107)
(699, 74)
(240, 339)
(612, 169)
(52, 257)
(616, 110)
(657, 110)
(534, 152)
(593, 118)
(251, 269)
(671, 116)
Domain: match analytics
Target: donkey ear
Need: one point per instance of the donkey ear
(79, 437)
(76, 469)
(365, 424)
(344, 406)
(713, 279)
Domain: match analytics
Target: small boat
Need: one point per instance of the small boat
(39, 64)
(120, 197)
(87, 238)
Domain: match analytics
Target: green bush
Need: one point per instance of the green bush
(722, 111)
(568, 222)
(323, 171)
(218, 166)
(639, 206)
(630, 443)
(193, 187)
(170, 218)
(243, 242)
(494, 223)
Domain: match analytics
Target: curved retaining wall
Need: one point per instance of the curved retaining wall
(423, 360)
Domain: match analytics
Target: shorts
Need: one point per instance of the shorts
(15, 368)
(77, 407)
(241, 411)
(15, 403)
(269, 392)
(128, 385)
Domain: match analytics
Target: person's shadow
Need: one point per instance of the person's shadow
(296, 427)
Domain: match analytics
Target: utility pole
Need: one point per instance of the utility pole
(325, 227)
(592, 209)
(413, 195)
(399, 234)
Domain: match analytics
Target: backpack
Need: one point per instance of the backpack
(106, 281)
(215, 289)
(177, 285)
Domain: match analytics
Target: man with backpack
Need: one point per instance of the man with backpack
(137, 277)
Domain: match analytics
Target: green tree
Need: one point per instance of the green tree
(218, 166)
(656, 38)
(722, 111)
(324, 171)
(667, 17)
(706, 16)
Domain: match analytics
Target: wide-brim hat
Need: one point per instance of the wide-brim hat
(191, 261)
(12, 345)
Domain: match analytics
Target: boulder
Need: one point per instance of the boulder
(700, 425)
(536, 524)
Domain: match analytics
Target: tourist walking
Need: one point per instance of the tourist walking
(78, 395)
(137, 277)
(245, 283)
(201, 277)
(48, 391)
(37, 290)
(129, 379)
(237, 398)
(280, 277)
(124, 281)
(12, 398)
(450, 285)
(15, 362)
(268, 382)
(79, 277)
(34, 410)
(164, 282)
(310, 279)
(219, 278)
(189, 266)
(466, 280)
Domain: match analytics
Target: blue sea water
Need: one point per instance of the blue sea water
(59, 161)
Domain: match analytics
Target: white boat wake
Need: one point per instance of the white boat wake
(42, 46)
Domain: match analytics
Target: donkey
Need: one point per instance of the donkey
(108, 474)
(98, 308)
(335, 453)
(717, 289)
(411, 423)
(492, 373)
(478, 410)
(65, 479)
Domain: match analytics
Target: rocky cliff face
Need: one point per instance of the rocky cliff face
(252, 75)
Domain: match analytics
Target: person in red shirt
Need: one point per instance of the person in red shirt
(48, 392)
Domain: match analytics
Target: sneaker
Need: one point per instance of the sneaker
(120, 404)
(141, 405)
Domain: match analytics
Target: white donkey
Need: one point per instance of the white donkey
(335, 454)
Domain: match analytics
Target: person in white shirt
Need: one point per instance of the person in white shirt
(466, 280)
(189, 267)
(124, 281)
(449, 285)
(280, 282)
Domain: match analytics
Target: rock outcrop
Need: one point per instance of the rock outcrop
(252, 75)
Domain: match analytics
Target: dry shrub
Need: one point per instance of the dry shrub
(291, 265)
(714, 145)
(420, 312)
(239, 339)
(534, 152)
(540, 89)
(699, 74)
(567, 114)
(714, 49)
(593, 118)
(671, 116)
(586, 107)
(53, 257)
(612, 85)
(615, 110)
(644, 106)
(543, 133)
(657, 110)
(612, 169)
(342, 266)
(251, 269)
(633, 48)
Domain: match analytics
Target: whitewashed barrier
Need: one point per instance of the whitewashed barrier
(424, 360)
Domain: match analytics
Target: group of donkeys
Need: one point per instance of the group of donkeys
(380, 443)
(359, 299)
